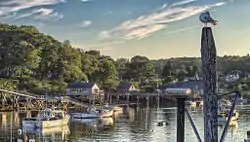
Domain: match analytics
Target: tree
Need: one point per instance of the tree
(108, 75)
(141, 69)
(122, 68)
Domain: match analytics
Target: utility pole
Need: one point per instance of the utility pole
(209, 76)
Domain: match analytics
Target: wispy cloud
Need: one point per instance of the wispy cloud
(145, 25)
(7, 7)
(85, 23)
(85, 0)
(183, 2)
(182, 29)
(108, 13)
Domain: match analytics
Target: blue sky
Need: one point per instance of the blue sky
(124, 28)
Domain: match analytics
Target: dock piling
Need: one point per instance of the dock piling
(209, 72)
(180, 119)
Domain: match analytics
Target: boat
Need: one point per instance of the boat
(116, 108)
(47, 131)
(223, 116)
(47, 118)
(94, 113)
(191, 103)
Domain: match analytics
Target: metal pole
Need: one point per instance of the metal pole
(229, 117)
(210, 98)
(180, 119)
(193, 126)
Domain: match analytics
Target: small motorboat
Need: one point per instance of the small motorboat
(191, 103)
(47, 118)
(223, 116)
(94, 113)
(116, 108)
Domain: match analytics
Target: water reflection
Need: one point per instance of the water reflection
(134, 123)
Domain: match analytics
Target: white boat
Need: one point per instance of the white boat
(47, 131)
(191, 103)
(47, 118)
(223, 117)
(116, 108)
(94, 113)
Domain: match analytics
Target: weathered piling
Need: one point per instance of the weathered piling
(209, 73)
(180, 119)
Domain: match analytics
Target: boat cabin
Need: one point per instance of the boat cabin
(52, 114)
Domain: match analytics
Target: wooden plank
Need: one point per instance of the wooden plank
(209, 72)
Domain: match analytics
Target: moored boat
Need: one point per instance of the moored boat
(223, 116)
(47, 118)
(94, 113)
(191, 103)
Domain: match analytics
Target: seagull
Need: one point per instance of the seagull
(206, 18)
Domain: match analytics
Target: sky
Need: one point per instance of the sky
(125, 28)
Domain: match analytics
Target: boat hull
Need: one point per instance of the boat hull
(35, 123)
(94, 114)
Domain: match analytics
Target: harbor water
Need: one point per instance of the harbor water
(134, 124)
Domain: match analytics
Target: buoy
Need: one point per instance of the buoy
(19, 131)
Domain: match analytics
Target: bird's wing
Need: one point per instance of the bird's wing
(209, 19)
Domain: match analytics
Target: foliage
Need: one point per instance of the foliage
(32, 61)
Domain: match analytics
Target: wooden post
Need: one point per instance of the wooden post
(147, 98)
(110, 99)
(180, 119)
(210, 98)
(127, 98)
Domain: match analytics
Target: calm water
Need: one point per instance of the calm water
(135, 124)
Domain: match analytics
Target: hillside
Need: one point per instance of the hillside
(33, 61)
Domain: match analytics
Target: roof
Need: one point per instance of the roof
(81, 85)
(192, 84)
(124, 86)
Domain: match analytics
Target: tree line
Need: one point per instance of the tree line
(32, 61)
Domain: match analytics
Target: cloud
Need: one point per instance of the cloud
(183, 2)
(104, 35)
(182, 29)
(7, 7)
(146, 25)
(108, 13)
(85, 0)
(85, 23)
(42, 14)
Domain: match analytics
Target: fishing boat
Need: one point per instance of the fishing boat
(94, 113)
(47, 118)
(223, 116)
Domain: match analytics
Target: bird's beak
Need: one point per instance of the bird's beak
(215, 22)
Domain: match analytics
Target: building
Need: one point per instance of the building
(82, 89)
(125, 88)
(196, 86)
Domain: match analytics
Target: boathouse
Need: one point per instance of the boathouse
(82, 89)
(196, 86)
(123, 88)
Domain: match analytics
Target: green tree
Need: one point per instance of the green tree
(108, 75)
(122, 68)
(141, 69)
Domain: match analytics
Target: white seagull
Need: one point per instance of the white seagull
(206, 18)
